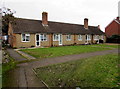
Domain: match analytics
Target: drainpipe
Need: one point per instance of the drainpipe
(51, 40)
(74, 39)
(92, 39)
(98, 39)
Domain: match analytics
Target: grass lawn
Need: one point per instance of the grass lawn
(99, 71)
(61, 51)
(106, 45)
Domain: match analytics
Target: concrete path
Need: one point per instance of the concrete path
(48, 61)
(15, 55)
(24, 76)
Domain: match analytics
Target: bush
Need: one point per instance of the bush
(100, 41)
(113, 39)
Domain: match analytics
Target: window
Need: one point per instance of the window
(96, 37)
(55, 37)
(68, 37)
(43, 37)
(80, 37)
(88, 37)
(25, 37)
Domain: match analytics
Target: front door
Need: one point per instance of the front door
(60, 39)
(86, 40)
(37, 39)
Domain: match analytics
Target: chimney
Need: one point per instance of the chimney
(98, 26)
(86, 23)
(118, 18)
(45, 18)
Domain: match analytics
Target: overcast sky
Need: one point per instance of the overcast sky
(99, 12)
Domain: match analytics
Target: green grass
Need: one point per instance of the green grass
(5, 69)
(8, 66)
(105, 45)
(99, 71)
(61, 51)
(0, 76)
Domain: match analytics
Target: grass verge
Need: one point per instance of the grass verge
(6, 67)
(108, 45)
(61, 51)
(99, 71)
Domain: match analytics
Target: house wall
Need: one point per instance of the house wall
(32, 41)
(100, 37)
(89, 41)
(19, 42)
(112, 29)
(12, 37)
(105, 38)
(55, 43)
(80, 41)
(94, 40)
(46, 43)
(67, 42)
(74, 40)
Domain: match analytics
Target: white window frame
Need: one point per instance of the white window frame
(44, 37)
(88, 37)
(80, 37)
(68, 37)
(25, 37)
(96, 37)
(55, 37)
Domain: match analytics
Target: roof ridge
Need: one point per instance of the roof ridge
(28, 19)
(56, 22)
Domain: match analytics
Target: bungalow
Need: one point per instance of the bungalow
(39, 33)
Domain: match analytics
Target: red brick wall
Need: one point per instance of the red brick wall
(112, 29)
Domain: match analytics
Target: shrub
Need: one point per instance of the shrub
(113, 39)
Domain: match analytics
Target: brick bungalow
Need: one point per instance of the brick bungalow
(39, 33)
(113, 28)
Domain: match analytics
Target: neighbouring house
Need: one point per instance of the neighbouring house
(113, 28)
(39, 33)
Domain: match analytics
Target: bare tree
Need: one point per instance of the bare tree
(7, 16)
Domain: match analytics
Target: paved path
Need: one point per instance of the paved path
(48, 61)
(15, 55)
(24, 76)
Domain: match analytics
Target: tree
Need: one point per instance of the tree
(7, 17)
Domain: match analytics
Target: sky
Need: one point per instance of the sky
(99, 12)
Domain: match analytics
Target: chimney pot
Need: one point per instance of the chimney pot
(98, 26)
(118, 18)
(86, 23)
(45, 18)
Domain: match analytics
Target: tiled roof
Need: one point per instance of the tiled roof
(35, 26)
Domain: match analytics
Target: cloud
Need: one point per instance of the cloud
(70, 11)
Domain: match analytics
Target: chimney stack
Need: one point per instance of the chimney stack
(45, 18)
(98, 26)
(118, 18)
(86, 23)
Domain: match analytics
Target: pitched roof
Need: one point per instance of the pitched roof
(117, 20)
(35, 26)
